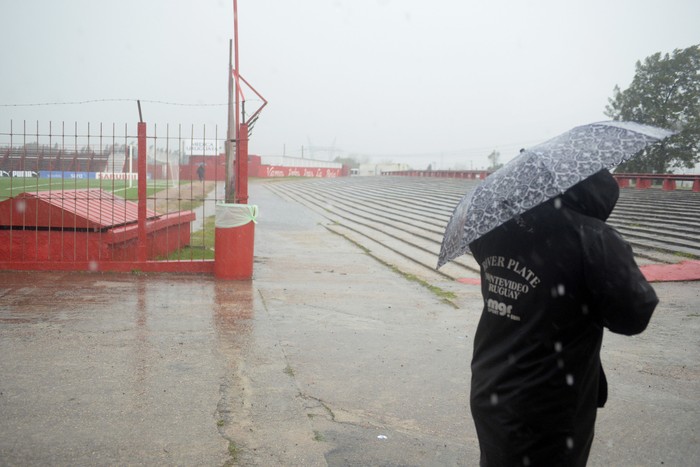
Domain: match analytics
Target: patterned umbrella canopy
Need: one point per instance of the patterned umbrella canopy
(541, 173)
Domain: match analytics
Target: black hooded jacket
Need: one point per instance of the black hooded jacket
(552, 279)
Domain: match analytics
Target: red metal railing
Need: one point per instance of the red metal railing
(68, 200)
(467, 174)
(668, 182)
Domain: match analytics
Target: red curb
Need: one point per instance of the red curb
(683, 271)
(469, 280)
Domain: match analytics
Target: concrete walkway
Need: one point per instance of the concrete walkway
(327, 357)
(208, 207)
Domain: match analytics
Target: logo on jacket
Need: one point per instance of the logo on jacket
(501, 309)
(522, 280)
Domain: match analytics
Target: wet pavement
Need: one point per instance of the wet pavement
(327, 357)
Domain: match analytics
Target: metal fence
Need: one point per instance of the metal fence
(81, 197)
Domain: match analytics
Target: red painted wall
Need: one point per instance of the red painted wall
(166, 234)
(257, 169)
(214, 168)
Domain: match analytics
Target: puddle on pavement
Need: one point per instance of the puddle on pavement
(103, 302)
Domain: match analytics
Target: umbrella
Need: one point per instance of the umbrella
(541, 173)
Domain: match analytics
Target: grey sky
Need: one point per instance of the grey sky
(441, 81)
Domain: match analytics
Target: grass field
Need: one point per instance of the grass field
(12, 186)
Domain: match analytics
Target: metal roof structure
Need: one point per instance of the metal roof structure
(92, 209)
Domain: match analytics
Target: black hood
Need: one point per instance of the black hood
(594, 196)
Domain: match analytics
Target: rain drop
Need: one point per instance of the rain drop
(93, 265)
(557, 203)
(570, 379)
(560, 363)
(21, 206)
(494, 399)
(558, 346)
(569, 442)
(584, 309)
(526, 461)
(558, 291)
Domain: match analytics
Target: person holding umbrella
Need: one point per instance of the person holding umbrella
(554, 274)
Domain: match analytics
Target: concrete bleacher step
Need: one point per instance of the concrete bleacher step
(404, 219)
(408, 253)
(412, 241)
(667, 234)
(116, 161)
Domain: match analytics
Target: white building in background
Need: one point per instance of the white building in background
(377, 169)
(286, 161)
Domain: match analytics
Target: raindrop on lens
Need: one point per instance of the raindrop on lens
(558, 347)
(494, 399)
(570, 442)
(561, 290)
(570, 379)
(93, 265)
(584, 309)
(560, 363)
(557, 203)
(526, 461)
(21, 206)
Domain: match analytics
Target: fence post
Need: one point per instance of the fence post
(142, 250)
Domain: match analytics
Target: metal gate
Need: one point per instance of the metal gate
(82, 197)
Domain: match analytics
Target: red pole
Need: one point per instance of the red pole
(237, 112)
(235, 62)
(241, 127)
(142, 251)
(242, 165)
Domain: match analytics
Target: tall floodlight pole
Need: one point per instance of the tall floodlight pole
(236, 69)
(241, 190)
(229, 195)
(237, 133)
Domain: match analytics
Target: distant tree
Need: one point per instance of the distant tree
(665, 92)
(494, 159)
(350, 161)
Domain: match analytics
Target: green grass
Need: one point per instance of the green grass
(12, 186)
(201, 243)
(683, 254)
(233, 453)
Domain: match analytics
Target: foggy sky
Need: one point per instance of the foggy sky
(441, 82)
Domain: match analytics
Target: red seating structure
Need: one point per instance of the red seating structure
(668, 181)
